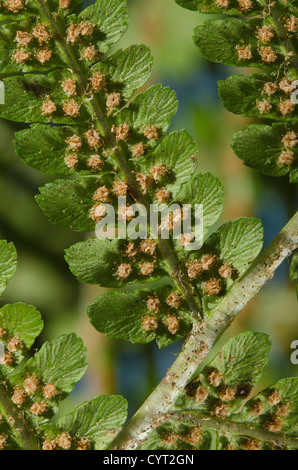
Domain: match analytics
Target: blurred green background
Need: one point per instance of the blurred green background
(43, 278)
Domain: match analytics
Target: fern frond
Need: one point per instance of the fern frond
(86, 121)
(31, 392)
(215, 401)
(260, 34)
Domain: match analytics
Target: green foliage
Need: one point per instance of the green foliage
(125, 315)
(87, 122)
(8, 263)
(268, 42)
(215, 401)
(116, 142)
(31, 392)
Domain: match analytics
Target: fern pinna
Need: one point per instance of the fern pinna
(31, 392)
(87, 124)
(120, 151)
(261, 34)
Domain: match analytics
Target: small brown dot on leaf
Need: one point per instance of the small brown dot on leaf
(264, 106)
(148, 246)
(98, 81)
(244, 52)
(212, 287)
(201, 394)
(131, 250)
(23, 38)
(31, 384)
(286, 158)
(97, 212)
(113, 100)
(174, 299)
(101, 194)
(138, 150)
(120, 188)
(172, 323)
(226, 271)
(149, 323)
(151, 132)
(215, 378)
(95, 163)
(69, 86)
(71, 160)
(162, 195)
(123, 271)
(71, 108)
(286, 107)
(49, 391)
(48, 107)
(268, 55)
(89, 53)
(147, 268)
(38, 408)
(64, 441)
(153, 304)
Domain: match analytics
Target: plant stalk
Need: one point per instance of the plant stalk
(251, 430)
(23, 436)
(203, 337)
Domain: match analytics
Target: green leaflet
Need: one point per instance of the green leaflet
(31, 392)
(153, 107)
(40, 95)
(85, 120)
(128, 69)
(97, 420)
(98, 261)
(204, 189)
(232, 7)
(52, 373)
(178, 153)
(247, 96)
(141, 316)
(224, 257)
(268, 41)
(236, 43)
(66, 354)
(275, 409)
(230, 376)
(213, 402)
(8, 263)
(45, 148)
(73, 200)
(20, 324)
(267, 147)
(111, 20)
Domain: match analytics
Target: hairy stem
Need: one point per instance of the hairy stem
(238, 429)
(24, 437)
(202, 338)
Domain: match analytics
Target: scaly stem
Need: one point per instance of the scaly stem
(23, 436)
(202, 338)
(237, 429)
